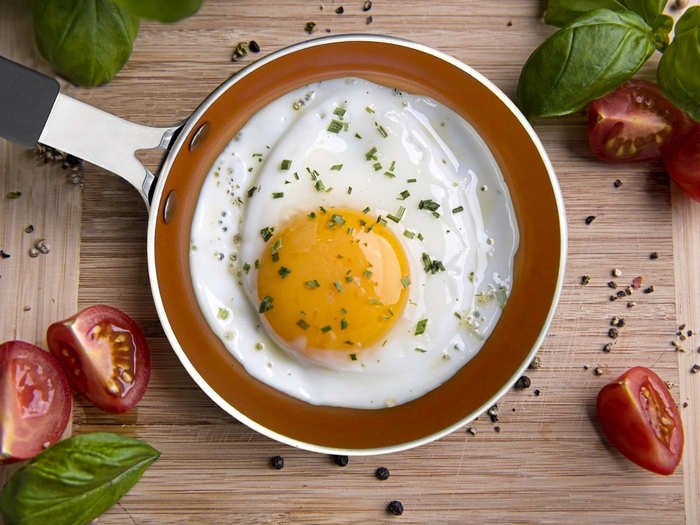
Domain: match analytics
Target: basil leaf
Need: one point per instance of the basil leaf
(583, 61)
(662, 28)
(649, 9)
(161, 10)
(679, 70)
(86, 41)
(562, 12)
(76, 480)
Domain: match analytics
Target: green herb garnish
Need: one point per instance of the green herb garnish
(420, 327)
(411, 180)
(409, 234)
(371, 154)
(458, 209)
(389, 174)
(312, 284)
(14, 194)
(278, 195)
(399, 214)
(266, 304)
(251, 191)
(405, 281)
(246, 267)
(353, 357)
(367, 274)
(284, 271)
(326, 328)
(336, 167)
(335, 126)
(349, 190)
(428, 204)
(339, 111)
(276, 246)
(369, 109)
(286, 164)
(266, 233)
(381, 130)
(303, 324)
(366, 210)
(403, 195)
(337, 219)
(343, 324)
(377, 166)
(420, 350)
(222, 314)
(311, 215)
(431, 266)
(338, 286)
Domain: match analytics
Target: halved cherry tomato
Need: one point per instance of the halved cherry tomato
(638, 416)
(35, 401)
(633, 123)
(682, 159)
(105, 356)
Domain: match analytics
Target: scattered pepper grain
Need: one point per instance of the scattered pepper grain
(590, 219)
(607, 348)
(613, 333)
(654, 255)
(340, 10)
(535, 363)
(310, 27)
(471, 430)
(277, 462)
(695, 369)
(395, 507)
(585, 279)
(617, 183)
(367, 5)
(522, 383)
(341, 461)
(616, 272)
(382, 473)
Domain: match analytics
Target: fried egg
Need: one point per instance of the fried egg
(353, 245)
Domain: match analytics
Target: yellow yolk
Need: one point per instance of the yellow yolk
(332, 281)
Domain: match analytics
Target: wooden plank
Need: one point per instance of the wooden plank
(35, 291)
(548, 463)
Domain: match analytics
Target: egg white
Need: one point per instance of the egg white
(424, 140)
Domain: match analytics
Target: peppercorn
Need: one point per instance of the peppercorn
(613, 333)
(277, 462)
(382, 473)
(617, 183)
(4, 254)
(309, 27)
(367, 5)
(607, 347)
(253, 46)
(42, 246)
(29, 229)
(535, 363)
(598, 371)
(590, 219)
(522, 383)
(471, 430)
(585, 279)
(653, 255)
(369, 20)
(537, 392)
(341, 461)
(395, 507)
(340, 10)
(695, 369)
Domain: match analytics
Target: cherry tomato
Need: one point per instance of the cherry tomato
(682, 159)
(638, 416)
(105, 356)
(633, 123)
(35, 401)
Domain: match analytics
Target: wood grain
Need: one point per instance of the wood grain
(35, 291)
(548, 463)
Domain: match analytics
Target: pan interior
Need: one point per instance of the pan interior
(537, 263)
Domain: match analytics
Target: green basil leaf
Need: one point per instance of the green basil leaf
(76, 480)
(86, 41)
(649, 9)
(562, 12)
(679, 70)
(662, 28)
(161, 10)
(583, 61)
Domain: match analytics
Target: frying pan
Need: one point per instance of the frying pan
(33, 110)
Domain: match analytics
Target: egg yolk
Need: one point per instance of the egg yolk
(333, 279)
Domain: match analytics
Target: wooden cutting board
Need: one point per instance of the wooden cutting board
(548, 463)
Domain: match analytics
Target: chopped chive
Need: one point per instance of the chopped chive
(376, 301)
(381, 130)
(367, 274)
(350, 230)
(420, 236)
(343, 324)
(257, 263)
(275, 257)
(435, 214)
(431, 266)
(312, 284)
(278, 195)
(381, 220)
(323, 210)
(458, 209)
(286, 164)
(428, 204)
(389, 174)
(353, 357)
(223, 314)
(256, 155)
(371, 154)
(409, 234)
(303, 324)
(335, 126)
(349, 190)
(319, 185)
(393, 165)
(326, 328)
(296, 175)
(399, 214)
(311, 215)
(337, 219)
(358, 136)
(336, 167)
(246, 267)
(338, 286)
(457, 315)
(369, 228)
(411, 180)
(266, 233)
(348, 279)
(366, 210)
(405, 281)
(377, 166)
(404, 195)
(343, 311)
(276, 246)
(420, 327)
(284, 271)
(266, 304)
(251, 191)
(420, 350)
(339, 111)
(369, 109)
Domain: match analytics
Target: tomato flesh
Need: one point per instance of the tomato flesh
(682, 160)
(640, 418)
(35, 402)
(634, 123)
(105, 356)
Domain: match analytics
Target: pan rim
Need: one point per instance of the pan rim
(177, 147)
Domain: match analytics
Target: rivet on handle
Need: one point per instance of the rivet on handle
(169, 207)
(199, 136)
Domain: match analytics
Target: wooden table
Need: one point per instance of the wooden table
(548, 464)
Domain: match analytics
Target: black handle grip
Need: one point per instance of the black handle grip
(26, 99)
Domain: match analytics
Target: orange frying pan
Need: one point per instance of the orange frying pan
(35, 111)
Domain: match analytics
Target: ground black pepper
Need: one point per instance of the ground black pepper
(695, 369)
(367, 5)
(613, 333)
(510, 23)
(612, 284)
(29, 229)
(653, 255)
(395, 507)
(341, 461)
(382, 473)
(535, 363)
(522, 383)
(585, 279)
(277, 462)
(598, 371)
(4, 254)
(607, 347)
(649, 290)
(369, 20)
(497, 428)
(254, 46)
(590, 219)
(309, 27)
(617, 183)
(340, 10)
(471, 430)
(537, 392)
(493, 413)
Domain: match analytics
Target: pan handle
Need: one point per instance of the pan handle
(34, 111)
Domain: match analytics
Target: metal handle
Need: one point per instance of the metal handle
(32, 110)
